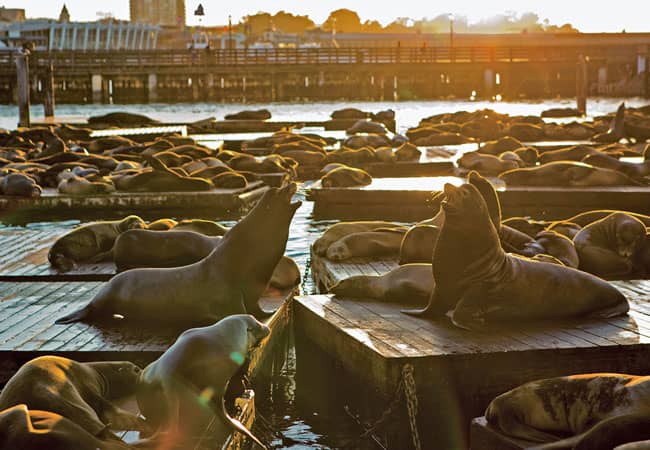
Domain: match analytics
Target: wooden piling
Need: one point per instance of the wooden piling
(48, 98)
(22, 73)
(581, 84)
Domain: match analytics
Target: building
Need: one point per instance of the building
(11, 14)
(83, 36)
(166, 13)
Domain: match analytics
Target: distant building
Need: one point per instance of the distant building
(82, 36)
(11, 14)
(64, 15)
(167, 13)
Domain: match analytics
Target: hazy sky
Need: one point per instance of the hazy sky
(589, 16)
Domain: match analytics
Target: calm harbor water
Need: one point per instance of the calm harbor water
(291, 417)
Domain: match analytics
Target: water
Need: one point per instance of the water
(299, 414)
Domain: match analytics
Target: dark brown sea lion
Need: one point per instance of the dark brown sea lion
(19, 185)
(260, 114)
(367, 244)
(346, 177)
(487, 286)
(573, 153)
(546, 410)
(229, 180)
(406, 284)
(342, 229)
(121, 119)
(228, 281)
(607, 247)
(26, 429)
(553, 244)
(632, 170)
(89, 243)
(198, 366)
(407, 152)
(568, 229)
(80, 392)
(566, 173)
(585, 218)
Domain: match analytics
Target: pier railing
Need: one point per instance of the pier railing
(182, 59)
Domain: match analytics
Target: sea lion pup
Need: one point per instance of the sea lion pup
(608, 246)
(80, 392)
(90, 243)
(553, 244)
(410, 283)
(25, 429)
(198, 365)
(367, 244)
(228, 281)
(207, 227)
(546, 410)
(342, 229)
(346, 177)
(487, 285)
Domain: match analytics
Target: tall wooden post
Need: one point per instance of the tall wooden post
(22, 73)
(48, 100)
(581, 84)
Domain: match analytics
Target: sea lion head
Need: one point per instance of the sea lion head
(630, 235)
(119, 378)
(338, 251)
(489, 195)
(256, 331)
(132, 223)
(276, 198)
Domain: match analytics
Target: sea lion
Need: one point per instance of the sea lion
(608, 246)
(121, 119)
(553, 244)
(573, 153)
(260, 114)
(147, 248)
(407, 152)
(487, 285)
(207, 227)
(566, 173)
(367, 244)
(568, 229)
(229, 180)
(19, 185)
(585, 218)
(26, 429)
(89, 243)
(162, 225)
(342, 229)
(417, 244)
(501, 145)
(80, 392)
(228, 281)
(198, 365)
(160, 179)
(546, 410)
(632, 170)
(486, 164)
(367, 126)
(75, 185)
(406, 284)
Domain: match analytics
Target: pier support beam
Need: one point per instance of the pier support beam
(581, 84)
(488, 82)
(152, 87)
(96, 82)
(22, 92)
(602, 79)
(48, 95)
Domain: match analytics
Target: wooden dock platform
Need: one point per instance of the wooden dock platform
(209, 204)
(458, 372)
(410, 199)
(27, 328)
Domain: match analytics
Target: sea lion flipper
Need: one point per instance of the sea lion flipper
(237, 425)
(76, 316)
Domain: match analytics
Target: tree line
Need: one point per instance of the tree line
(347, 21)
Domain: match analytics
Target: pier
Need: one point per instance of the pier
(511, 66)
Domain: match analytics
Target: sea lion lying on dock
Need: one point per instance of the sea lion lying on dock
(159, 179)
(147, 248)
(346, 177)
(485, 286)
(27, 429)
(566, 173)
(546, 410)
(406, 284)
(90, 243)
(19, 185)
(342, 229)
(367, 244)
(607, 247)
(80, 392)
(198, 365)
(230, 280)
(553, 244)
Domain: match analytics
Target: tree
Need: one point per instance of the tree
(371, 26)
(344, 21)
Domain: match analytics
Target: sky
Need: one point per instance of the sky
(587, 16)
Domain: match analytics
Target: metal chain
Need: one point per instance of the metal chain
(406, 388)
(411, 403)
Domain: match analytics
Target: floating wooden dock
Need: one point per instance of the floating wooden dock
(209, 204)
(27, 328)
(410, 199)
(458, 372)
